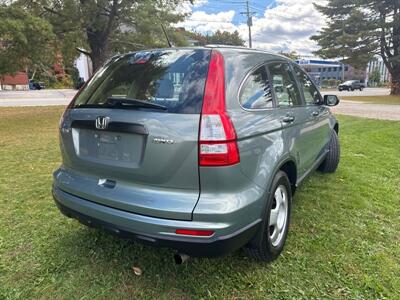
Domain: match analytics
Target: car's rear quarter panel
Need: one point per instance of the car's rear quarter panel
(239, 192)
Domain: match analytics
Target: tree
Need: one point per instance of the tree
(292, 55)
(359, 30)
(375, 76)
(219, 37)
(105, 27)
(25, 41)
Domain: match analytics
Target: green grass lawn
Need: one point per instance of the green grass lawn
(344, 240)
(373, 99)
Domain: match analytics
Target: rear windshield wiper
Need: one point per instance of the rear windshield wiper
(115, 101)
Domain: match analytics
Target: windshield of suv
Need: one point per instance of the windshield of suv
(173, 79)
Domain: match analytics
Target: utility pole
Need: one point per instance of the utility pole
(249, 15)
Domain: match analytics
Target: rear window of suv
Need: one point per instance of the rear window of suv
(174, 79)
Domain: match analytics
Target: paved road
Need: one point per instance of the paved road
(36, 98)
(63, 97)
(365, 92)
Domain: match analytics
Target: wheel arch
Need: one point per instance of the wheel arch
(336, 127)
(290, 168)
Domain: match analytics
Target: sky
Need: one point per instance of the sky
(278, 25)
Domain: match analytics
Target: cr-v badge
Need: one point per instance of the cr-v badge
(163, 141)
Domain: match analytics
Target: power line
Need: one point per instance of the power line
(258, 9)
(248, 13)
(207, 21)
(231, 2)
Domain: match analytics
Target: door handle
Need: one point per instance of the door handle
(288, 119)
(315, 113)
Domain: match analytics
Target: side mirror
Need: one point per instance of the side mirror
(331, 100)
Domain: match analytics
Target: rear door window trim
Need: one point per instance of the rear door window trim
(289, 64)
(252, 70)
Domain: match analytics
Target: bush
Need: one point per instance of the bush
(74, 75)
(330, 83)
(64, 82)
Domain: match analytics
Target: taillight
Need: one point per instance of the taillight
(217, 140)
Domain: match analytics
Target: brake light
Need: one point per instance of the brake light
(217, 140)
(194, 232)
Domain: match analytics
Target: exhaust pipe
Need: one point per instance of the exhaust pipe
(180, 258)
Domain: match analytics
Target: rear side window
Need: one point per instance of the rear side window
(171, 78)
(311, 94)
(256, 91)
(284, 85)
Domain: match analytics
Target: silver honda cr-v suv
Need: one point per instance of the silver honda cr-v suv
(195, 149)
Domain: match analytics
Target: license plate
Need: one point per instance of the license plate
(107, 138)
(108, 146)
(113, 148)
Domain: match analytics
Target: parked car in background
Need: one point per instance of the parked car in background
(351, 85)
(196, 149)
(36, 85)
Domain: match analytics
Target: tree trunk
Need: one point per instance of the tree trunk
(98, 48)
(99, 39)
(97, 56)
(395, 83)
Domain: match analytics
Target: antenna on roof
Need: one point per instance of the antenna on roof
(166, 36)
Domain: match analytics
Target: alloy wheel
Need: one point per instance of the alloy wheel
(278, 215)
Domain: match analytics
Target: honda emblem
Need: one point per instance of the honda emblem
(102, 122)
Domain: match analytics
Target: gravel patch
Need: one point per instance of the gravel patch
(373, 111)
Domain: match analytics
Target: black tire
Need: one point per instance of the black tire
(351, 89)
(261, 247)
(331, 162)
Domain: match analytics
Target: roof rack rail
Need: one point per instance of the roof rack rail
(225, 46)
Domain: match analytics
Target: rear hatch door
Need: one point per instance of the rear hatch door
(130, 139)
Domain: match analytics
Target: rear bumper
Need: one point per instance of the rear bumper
(155, 231)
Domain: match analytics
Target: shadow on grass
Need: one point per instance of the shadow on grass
(99, 255)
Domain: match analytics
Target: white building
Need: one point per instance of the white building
(378, 64)
(84, 66)
(322, 70)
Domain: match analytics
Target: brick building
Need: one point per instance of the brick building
(17, 82)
